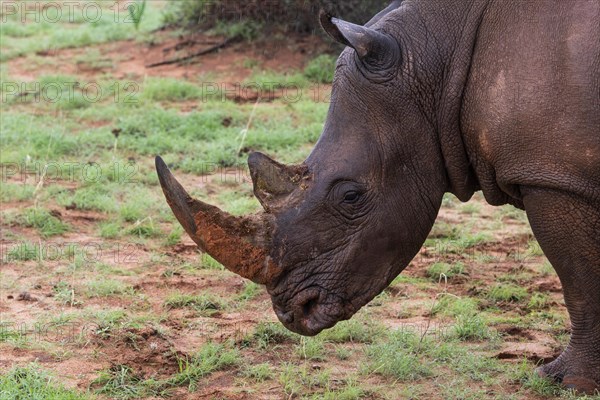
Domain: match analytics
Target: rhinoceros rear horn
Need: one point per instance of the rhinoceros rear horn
(241, 244)
(377, 50)
(273, 181)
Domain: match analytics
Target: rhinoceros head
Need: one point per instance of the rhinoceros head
(337, 229)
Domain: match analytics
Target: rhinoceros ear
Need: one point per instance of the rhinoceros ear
(393, 5)
(377, 50)
(272, 181)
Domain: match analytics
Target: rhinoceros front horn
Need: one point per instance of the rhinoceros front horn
(241, 244)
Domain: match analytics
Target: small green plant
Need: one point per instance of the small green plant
(443, 271)
(470, 328)
(538, 301)
(399, 357)
(110, 230)
(532, 381)
(122, 382)
(174, 236)
(311, 349)
(107, 321)
(342, 353)
(16, 192)
(64, 293)
(299, 379)
(352, 331)
(131, 212)
(258, 372)
(246, 30)
(32, 382)
(471, 208)
(25, 251)
(205, 303)
(207, 262)
(506, 292)
(12, 334)
(250, 291)
(450, 305)
(210, 358)
(168, 89)
(136, 12)
(271, 80)
(267, 334)
(93, 197)
(321, 69)
(101, 287)
(351, 390)
(45, 222)
(143, 228)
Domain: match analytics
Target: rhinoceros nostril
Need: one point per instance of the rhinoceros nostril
(309, 305)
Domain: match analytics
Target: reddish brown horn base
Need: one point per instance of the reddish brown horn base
(239, 243)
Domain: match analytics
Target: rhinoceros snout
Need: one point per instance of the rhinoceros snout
(310, 311)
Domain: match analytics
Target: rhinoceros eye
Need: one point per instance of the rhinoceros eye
(351, 197)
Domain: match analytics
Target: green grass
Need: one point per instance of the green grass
(443, 271)
(297, 380)
(16, 192)
(102, 287)
(93, 197)
(538, 301)
(174, 236)
(25, 251)
(269, 80)
(453, 306)
(399, 357)
(207, 262)
(110, 229)
(268, 334)
(321, 69)
(471, 327)
(144, 228)
(43, 221)
(312, 348)
(250, 291)
(506, 292)
(169, 89)
(45, 34)
(246, 30)
(210, 358)
(64, 293)
(259, 372)
(204, 303)
(122, 382)
(33, 382)
(353, 331)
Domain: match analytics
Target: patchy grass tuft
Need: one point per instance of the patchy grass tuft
(210, 358)
(204, 303)
(32, 382)
(506, 292)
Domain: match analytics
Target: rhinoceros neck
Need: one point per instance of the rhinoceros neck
(450, 36)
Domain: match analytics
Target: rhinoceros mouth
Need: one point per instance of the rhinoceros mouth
(311, 311)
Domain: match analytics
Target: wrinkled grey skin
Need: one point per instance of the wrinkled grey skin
(499, 96)
(431, 97)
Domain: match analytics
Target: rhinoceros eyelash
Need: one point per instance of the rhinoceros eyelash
(338, 191)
